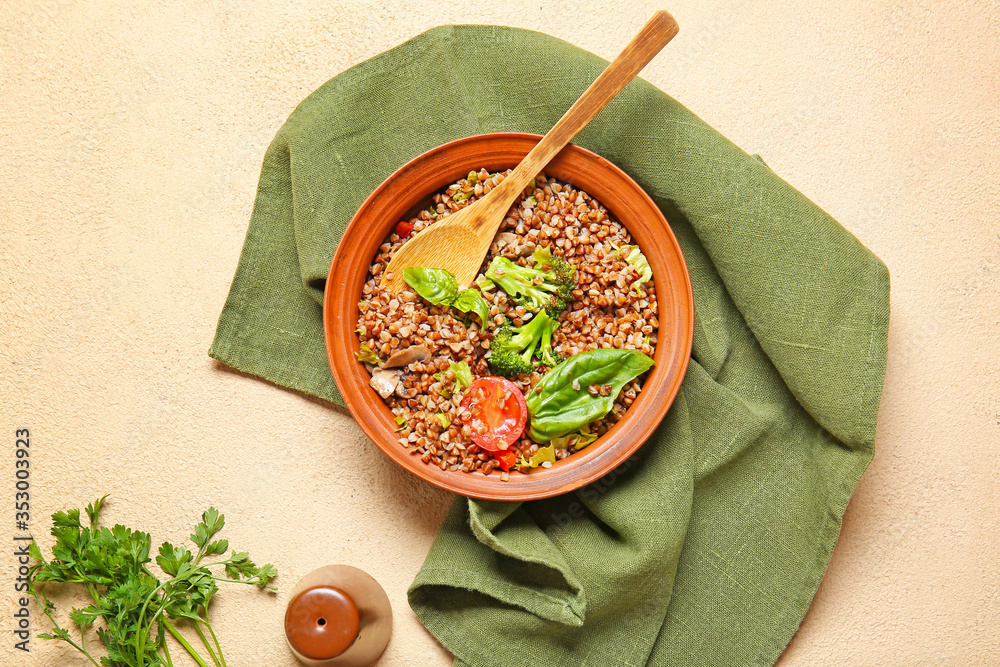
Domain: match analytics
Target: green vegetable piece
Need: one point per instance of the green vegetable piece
(443, 420)
(437, 286)
(367, 355)
(513, 347)
(586, 438)
(462, 378)
(401, 423)
(461, 196)
(541, 456)
(463, 375)
(483, 283)
(471, 300)
(543, 259)
(547, 285)
(563, 441)
(580, 439)
(556, 408)
(634, 256)
(473, 177)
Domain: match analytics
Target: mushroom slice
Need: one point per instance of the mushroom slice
(503, 239)
(525, 249)
(401, 358)
(385, 382)
(403, 392)
(511, 245)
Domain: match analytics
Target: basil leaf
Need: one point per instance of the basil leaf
(556, 408)
(470, 299)
(439, 286)
(436, 285)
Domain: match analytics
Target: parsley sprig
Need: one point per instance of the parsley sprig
(132, 609)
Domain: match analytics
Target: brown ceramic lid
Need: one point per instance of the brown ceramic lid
(321, 622)
(338, 616)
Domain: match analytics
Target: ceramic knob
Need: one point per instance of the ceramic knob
(338, 616)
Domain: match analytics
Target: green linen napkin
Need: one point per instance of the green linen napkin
(705, 547)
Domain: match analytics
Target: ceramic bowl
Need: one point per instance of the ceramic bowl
(399, 196)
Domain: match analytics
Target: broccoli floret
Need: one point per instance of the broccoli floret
(505, 359)
(545, 286)
(513, 347)
(563, 271)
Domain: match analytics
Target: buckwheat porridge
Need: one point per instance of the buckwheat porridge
(536, 359)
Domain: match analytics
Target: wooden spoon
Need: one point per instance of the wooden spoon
(459, 242)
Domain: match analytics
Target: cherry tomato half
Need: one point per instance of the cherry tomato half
(498, 413)
(403, 229)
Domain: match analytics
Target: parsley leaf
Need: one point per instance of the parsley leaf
(136, 609)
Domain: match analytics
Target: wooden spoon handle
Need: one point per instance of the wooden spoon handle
(659, 30)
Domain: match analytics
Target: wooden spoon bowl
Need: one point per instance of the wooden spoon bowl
(460, 241)
(399, 196)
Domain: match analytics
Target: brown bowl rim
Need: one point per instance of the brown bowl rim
(435, 169)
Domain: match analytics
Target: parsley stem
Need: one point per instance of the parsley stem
(140, 642)
(214, 639)
(78, 648)
(166, 653)
(236, 581)
(204, 640)
(190, 649)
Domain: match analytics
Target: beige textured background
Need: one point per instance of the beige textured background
(131, 135)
